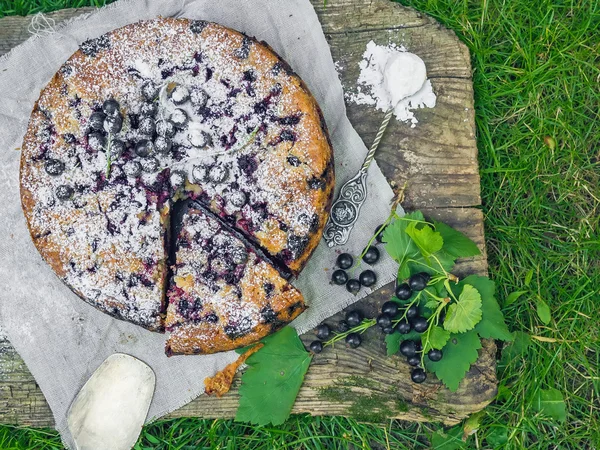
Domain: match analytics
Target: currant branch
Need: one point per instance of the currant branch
(360, 328)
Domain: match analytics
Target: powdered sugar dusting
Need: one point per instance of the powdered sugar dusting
(379, 64)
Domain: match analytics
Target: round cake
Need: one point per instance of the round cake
(165, 112)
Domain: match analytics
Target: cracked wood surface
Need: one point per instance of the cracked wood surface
(438, 159)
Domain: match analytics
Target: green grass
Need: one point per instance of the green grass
(25, 7)
(536, 77)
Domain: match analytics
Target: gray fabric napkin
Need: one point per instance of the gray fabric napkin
(62, 339)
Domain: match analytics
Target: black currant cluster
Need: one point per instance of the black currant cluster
(346, 329)
(401, 316)
(409, 321)
(367, 278)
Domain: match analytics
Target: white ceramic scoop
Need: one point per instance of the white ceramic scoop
(110, 409)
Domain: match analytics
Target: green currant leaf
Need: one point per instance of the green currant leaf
(437, 263)
(399, 245)
(550, 402)
(459, 353)
(431, 304)
(435, 337)
(465, 313)
(272, 381)
(425, 238)
(440, 289)
(392, 343)
(492, 325)
(455, 243)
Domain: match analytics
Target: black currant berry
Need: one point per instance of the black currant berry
(113, 124)
(390, 308)
(412, 312)
(163, 145)
(64, 192)
(343, 326)
(419, 346)
(179, 94)
(149, 164)
(147, 126)
(413, 360)
(144, 147)
(149, 109)
(379, 236)
(435, 354)
(353, 340)
(418, 375)
(371, 256)
(388, 330)
(367, 278)
(404, 326)
(418, 281)
(199, 98)
(323, 331)
(165, 128)
(96, 121)
(353, 286)
(354, 317)
(345, 261)
(316, 346)
(403, 291)
(111, 107)
(180, 118)
(54, 167)
(384, 321)
(339, 277)
(96, 141)
(117, 148)
(132, 168)
(408, 348)
(149, 90)
(420, 324)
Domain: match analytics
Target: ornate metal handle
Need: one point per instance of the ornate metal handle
(346, 207)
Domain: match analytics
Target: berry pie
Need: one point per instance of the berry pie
(170, 112)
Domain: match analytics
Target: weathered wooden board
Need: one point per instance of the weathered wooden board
(438, 158)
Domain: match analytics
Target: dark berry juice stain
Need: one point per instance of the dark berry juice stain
(288, 120)
(316, 183)
(287, 136)
(248, 164)
(244, 51)
(196, 26)
(296, 244)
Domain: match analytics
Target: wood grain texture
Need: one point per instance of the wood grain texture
(438, 159)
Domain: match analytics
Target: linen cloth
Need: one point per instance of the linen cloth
(61, 338)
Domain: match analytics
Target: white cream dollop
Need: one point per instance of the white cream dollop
(404, 75)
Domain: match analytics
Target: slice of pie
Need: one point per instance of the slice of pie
(224, 293)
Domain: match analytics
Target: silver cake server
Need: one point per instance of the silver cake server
(110, 409)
